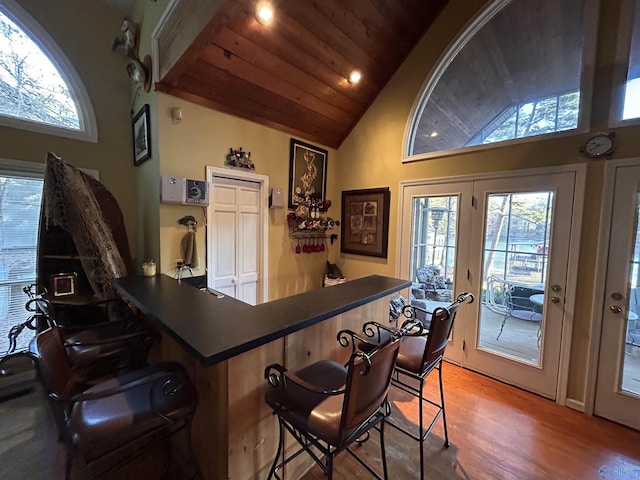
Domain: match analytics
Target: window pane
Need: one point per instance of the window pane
(632, 91)
(19, 218)
(30, 86)
(517, 76)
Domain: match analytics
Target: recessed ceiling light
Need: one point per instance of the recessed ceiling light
(434, 134)
(265, 14)
(355, 76)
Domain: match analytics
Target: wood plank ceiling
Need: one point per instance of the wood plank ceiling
(291, 74)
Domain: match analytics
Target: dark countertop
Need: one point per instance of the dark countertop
(214, 329)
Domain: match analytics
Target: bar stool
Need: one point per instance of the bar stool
(113, 421)
(111, 339)
(330, 406)
(420, 354)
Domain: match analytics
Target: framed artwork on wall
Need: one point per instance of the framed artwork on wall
(365, 221)
(307, 174)
(141, 136)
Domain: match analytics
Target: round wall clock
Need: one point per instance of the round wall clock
(599, 145)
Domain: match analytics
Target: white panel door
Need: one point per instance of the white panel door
(235, 214)
(249, 212)
(618, 385)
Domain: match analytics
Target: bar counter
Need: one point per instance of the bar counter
(225, 344)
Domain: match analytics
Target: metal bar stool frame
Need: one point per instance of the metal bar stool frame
(437, 334)
(360, 364)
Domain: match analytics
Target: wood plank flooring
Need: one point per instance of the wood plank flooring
(500, 432)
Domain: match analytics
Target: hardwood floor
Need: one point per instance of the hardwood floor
(500, 432)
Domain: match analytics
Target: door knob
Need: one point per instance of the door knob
(556, 288)
(233, 280)
(555, 299)
(615, 308)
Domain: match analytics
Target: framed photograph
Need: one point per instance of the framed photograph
(141, 136)
(307, 174)
(64, 284)
(365, 222)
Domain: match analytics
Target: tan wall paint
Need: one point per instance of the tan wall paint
(84, 31)
(374, 151)
(370, 157)
(203, 138)
(147, 226)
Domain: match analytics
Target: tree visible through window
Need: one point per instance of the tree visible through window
(20, 199)
(516, 72)
(30, 86)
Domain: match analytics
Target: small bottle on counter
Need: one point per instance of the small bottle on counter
(149, 268)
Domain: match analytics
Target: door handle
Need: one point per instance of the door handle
(555, 299)
(233, 280)
(615, 309)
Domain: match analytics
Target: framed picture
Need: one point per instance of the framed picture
(365, 221)
(307, 174)
(141, 136)
(64, 284)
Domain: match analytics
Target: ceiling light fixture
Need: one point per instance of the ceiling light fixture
(434, 134)
(355, 76)
(265, 14)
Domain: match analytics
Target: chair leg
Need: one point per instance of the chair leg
(329, 467)
(383, 452)
(444, 415)
(504, 320)
(422, 436)
(272, 471)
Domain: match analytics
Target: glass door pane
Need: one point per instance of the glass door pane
(433, 249)
(630, 381)
(516, 246)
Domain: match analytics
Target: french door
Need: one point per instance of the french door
(507, 240)
(618, 385)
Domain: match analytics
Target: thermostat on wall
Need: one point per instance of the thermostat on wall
(197, 192)
(184, 191)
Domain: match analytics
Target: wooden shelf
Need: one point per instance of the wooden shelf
(310, 234)
(78, 299)
(64, 257)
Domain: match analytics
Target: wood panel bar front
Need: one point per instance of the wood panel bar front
(234, 433)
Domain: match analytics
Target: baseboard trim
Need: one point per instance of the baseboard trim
(574, 404)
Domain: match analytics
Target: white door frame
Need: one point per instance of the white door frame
(597, 313)
(263, 182)
(580, 171)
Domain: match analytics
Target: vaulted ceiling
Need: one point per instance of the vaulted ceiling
(290, 74)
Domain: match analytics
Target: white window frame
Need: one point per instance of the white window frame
(88, 129)
(621, 66)
(458, 43)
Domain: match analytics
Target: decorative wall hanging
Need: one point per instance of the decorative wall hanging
(365, 221)
(141, 136)
(240, 158)
(138, 70)
(307, 174)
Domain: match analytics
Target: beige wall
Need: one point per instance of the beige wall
(203, 138)
(375, 146)
(84, 31)
(370, 157)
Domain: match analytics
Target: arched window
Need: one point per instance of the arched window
(514, 72)
(628, 100)
(39, 89)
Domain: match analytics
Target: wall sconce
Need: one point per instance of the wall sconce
(176, 114)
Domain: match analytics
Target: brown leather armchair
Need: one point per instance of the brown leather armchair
(111, 422)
